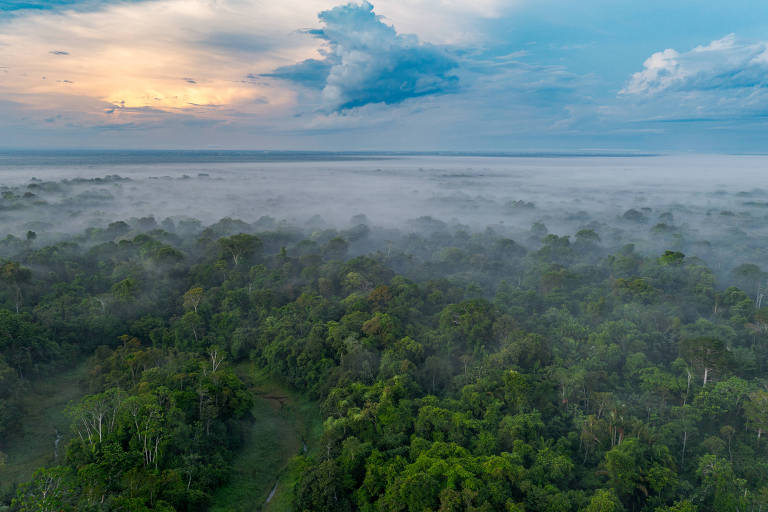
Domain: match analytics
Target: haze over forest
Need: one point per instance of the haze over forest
(417, 256)
(692, 202)
(339, 331)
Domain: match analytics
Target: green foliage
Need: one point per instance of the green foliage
(604, 500)
(455, 371)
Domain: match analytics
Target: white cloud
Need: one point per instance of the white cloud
(722, 64)
(724, 80)
(367, 61)
(661, 71)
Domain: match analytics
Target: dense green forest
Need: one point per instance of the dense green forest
(618, 366)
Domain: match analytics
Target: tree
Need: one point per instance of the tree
(192, 298)
(217, 357)
(96, 416)
(748, 277)
(147, 422)
(604, 500)
(14, 275)
(636, 470)
(48, 491)
(125, 290)
(756, 411)
(321, 489)
(240, 246)
(721, 488)
(705, 354)
(679, 506)
(336, 249)
(671, 258)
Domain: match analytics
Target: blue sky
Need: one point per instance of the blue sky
(487, 75)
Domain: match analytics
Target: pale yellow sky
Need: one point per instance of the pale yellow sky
(129, 59)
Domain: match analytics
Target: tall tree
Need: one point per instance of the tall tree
(706, 355)
(14, 275)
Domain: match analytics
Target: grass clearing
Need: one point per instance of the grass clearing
(44, 415)
(283, 422)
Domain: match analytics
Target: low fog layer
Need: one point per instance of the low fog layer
(704, 205)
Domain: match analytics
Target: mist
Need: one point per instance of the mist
(702, 205)
(591, 295)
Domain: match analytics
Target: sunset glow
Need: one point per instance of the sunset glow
(316, 69)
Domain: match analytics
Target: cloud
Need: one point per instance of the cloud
(312, 73)
(366, 61)
(133, 53)
(132, 64)
(661, 71)
(722, 64)
(725, 79)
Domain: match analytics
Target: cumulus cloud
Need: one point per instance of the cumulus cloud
(660, 71)
(366, 61)
(725, 78)
(722, 64)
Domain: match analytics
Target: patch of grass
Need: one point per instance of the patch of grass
(283, 422)
(44, 415)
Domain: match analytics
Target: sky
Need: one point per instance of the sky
(399, 75)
